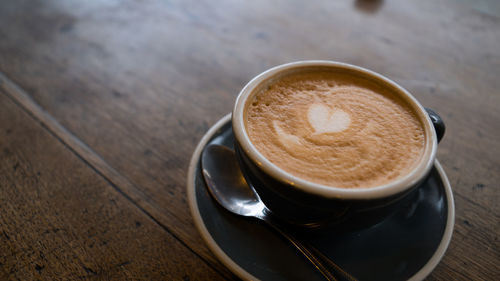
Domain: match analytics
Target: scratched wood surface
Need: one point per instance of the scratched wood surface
(107, 100)
(59, 219)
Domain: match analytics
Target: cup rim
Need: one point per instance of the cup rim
(394, 187)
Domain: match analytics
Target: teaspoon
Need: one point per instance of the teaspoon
(228, 187)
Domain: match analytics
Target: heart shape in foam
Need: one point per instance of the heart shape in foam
(326, 120)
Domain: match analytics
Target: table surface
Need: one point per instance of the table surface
(103, 102)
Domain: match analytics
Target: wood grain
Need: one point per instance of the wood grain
(131, 86)
(60, 220)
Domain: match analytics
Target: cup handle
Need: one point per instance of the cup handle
(437, 122)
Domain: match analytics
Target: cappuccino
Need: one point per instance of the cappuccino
(334, 129)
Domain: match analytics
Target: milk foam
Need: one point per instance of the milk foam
(335, 130)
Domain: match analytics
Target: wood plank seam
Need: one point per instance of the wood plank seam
(86, 154)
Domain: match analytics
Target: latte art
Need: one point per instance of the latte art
(335, 130)
(324, 120)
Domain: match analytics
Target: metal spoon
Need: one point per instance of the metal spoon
(227, 185)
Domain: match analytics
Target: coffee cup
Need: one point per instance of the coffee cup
(325, 143)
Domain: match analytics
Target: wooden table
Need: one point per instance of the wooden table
(103, 102)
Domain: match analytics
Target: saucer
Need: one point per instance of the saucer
(407, 245)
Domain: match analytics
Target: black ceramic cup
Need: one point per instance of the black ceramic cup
(307, 204)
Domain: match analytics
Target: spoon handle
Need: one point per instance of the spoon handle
(325, 265)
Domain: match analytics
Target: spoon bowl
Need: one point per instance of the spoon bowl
(227, 184)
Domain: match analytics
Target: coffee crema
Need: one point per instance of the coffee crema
(335, 129)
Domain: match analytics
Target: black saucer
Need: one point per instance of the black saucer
(407, 245)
